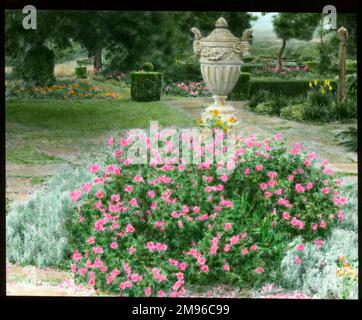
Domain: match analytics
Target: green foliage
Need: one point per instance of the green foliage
(35, 230)
(264, 107)
(257, 97)
(349, 138)
(36, 66)
(250, 67)
(81, 72)
(183, 71)
(147, 67)
(351, 85)
(312, 65)
(280, 87)
(293, 112)
(146, 86)
(242, 87)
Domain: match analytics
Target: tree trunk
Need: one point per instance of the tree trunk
(280, 56)
(98, 60)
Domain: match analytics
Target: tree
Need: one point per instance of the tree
(299, 26)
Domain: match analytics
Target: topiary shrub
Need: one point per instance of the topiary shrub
(36, 66)
(242, 87)
(147, 66)
(146, 86)
(81, 72)
(142, 230)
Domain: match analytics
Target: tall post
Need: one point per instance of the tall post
(342, 34)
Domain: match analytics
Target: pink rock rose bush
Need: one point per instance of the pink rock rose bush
(149, 230)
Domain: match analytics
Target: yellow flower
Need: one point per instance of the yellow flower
(323, 91)
(341, 258)
(315, 82)
(199, 120)
(345, 265)
(215, 112)
(226, 128)
(310, 84)
(329, 88)
(327, 82)
(232, 120)
(218, 122)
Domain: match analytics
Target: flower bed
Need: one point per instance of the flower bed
(192, 89)
(65, 89)
(148, 230)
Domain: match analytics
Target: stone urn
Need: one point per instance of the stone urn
(220, 60)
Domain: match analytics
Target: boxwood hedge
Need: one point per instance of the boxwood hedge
(146, 86)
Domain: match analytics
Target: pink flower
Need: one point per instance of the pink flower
(148, 291)
(254, 247)
(244, 251)
(133, 202)
(129, 228)
(160, 293)
(201, 261)
(227, 226)
(151, 194)
(277, 136)
(323, 224)
(286, 215)
(314, 227)
(309, 185)
(182, 266)
(318, 242)
(340, 215)
(87, 187)
(307, 162)
(246, 171)
(263, 186)
(297, 260)
(75, 195)
(325, 190)
(259, 167)
(73, 267)
(128, 189)
(226, 267)
(227, 248)
(259, 270)
(90, 240)
(180, 224)
(150, 246)
(100, 194)
(300, 247)
(204, 268)
(131, 250)
(94, 168)
(76, 256)
(110, 141)
(114, 245)
(299, 188)
(224, 178)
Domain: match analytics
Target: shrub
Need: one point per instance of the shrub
(242, 87)
(248, 59)
(185, 71)
(349, 139)
(146, 86)
(312, 65)
(81, 72)
(264, 107)
(147, 66)
(258, 97)
(149, 229)
(36, 66)
(35, 230)
(293, 112)
(280, 87)
(351, 66)
(250, 67)
(351, 86)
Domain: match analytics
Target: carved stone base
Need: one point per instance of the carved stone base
(225, 111)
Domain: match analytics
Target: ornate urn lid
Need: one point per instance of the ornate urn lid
(220, 33)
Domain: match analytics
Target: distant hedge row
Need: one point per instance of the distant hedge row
(247, 87)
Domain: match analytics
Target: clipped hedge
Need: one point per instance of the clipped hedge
(283, 87)
(252, 67)
(146, 86)
(81, 72)
(242, 87)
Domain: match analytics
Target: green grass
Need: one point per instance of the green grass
(26, 154)
(91, 117)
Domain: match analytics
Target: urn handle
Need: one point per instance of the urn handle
(197, 43)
